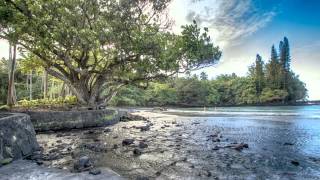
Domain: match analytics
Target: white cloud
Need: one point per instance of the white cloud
(230, 20)
(4, 49)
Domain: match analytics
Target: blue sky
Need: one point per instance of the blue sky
(243, 28)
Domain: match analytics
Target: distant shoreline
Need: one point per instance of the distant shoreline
(307, 103)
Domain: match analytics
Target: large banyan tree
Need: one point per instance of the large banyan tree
(97, 46)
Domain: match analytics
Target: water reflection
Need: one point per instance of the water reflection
(280, 133)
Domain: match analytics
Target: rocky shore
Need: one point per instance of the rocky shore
(155, 145)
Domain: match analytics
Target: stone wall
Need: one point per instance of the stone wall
(64, 120)
(17, 137)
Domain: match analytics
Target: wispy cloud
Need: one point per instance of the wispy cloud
(231, 20)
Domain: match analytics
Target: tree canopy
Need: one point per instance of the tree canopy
(97, 46)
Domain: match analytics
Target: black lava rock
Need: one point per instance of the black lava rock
(294, 162)
(215, 148)
(107, 130)
(143, 145)
(82, 164)
(145, 128)
(95, 171)
(137, 152)
(127, 142)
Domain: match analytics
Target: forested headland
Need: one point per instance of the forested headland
(269, 82)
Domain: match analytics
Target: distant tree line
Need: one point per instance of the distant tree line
(266, 83)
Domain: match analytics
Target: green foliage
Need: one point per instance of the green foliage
(161, 94)
(273, 70)
(22, 81)
(3, 82)
(191, 91)
(128, 96)
(96, 45)
(203, 76)
(273, 95)
(259, 77)
(68, 100)
(280, 77)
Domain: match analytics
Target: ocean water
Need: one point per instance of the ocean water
(277, 135)
(283, 143)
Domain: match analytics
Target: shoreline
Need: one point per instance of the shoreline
(174, 147)
(218, 106)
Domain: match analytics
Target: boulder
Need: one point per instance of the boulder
(17, 136)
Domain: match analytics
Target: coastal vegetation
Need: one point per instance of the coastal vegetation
(122, 53)
(271, 82)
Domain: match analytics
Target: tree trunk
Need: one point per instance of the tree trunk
(45, 84)
(52, 90)
(87, 97)
(30, 85)
(88, 94)
(11, 99)
(63, 90)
